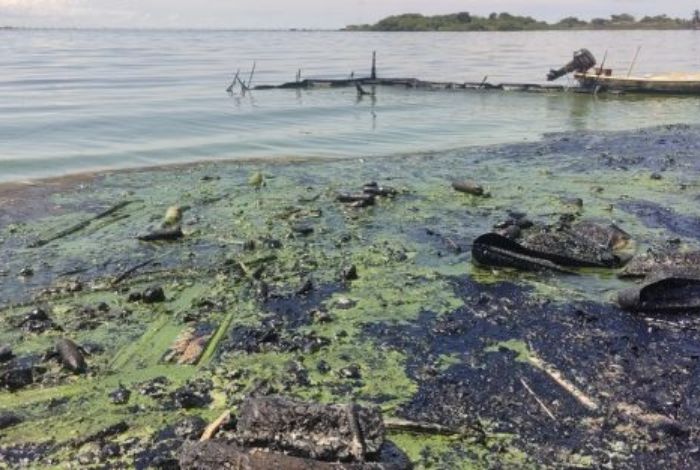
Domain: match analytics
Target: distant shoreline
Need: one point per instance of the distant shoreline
(466, 22)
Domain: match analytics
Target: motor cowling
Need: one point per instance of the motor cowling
(582, 62)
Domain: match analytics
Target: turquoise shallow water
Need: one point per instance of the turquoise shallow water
(74, 101)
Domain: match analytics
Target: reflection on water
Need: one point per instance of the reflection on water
(78, 100)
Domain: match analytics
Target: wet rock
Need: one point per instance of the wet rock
(37, 321)
(154, 388)
(344, 303)
(468, 187)
(302, 229)
(306, 287)
(192, 395)
(5, 353)
(374, 189)
(153, 295)
(134, 297)
(110, 450)
(321, 316)
(296, 374)
(9, 419)
(190, 428)
(26, 272)
(70, 355)
(357, 199)
(350, 372)
(17, 377)
(120, 395)
(656, 176)
(323, 367)
(252, 339)
(349, 273)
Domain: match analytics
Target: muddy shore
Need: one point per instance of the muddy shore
(276, 287)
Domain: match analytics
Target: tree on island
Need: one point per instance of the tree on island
(696, 18)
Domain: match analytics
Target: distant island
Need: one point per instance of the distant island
(465, 21)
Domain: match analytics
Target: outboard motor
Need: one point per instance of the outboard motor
(582, 62)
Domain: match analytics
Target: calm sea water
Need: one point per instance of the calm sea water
(72, 101)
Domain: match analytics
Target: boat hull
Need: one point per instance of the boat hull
(687, 84)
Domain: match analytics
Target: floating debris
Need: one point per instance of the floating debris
(671, 294)
(169, 234)
(492, 249)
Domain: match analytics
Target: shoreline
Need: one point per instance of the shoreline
(279, 287)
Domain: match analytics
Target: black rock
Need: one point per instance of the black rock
(120, 395)
(154, 388)
(37, 321)
(350, 372)
(70, 355)
(5, 353)
(153, 294)
(9, 419)
(323, 367)
(187, 397)
(16, 378)
(190, 427)
(349, 273)
(134, 297)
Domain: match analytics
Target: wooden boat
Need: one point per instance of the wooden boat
(677, 82)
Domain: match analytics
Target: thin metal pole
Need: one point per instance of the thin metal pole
(629, 72)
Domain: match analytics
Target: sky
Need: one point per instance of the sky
(301, 13)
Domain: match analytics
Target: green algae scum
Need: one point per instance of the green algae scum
(116, 350)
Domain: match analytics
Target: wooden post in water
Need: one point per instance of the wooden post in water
(373, 74)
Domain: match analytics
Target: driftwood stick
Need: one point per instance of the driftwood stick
(537, 399)
(215, 425)
(556, 376)
(404, 425)
(250, 78)
(80, 225)
(233, 83)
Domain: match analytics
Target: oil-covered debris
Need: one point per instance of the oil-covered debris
(277, 432)
(324, 432)
(564, 245)
(165, 234)
(367, 196)
(666, 294)
(664, 260)
(492, 249)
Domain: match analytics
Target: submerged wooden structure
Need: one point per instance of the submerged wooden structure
(591, 80)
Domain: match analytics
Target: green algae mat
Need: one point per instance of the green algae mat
(277, 287)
